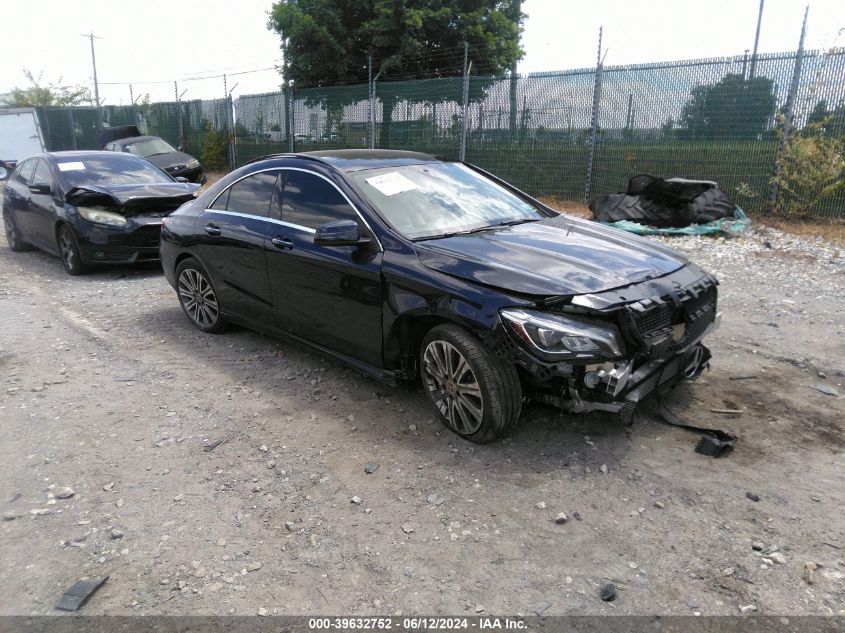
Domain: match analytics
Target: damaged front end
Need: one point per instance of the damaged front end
(122, 224)
(608, 351)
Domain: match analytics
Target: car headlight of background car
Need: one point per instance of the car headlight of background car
(560, 337)
(100, 216)
(192, 164)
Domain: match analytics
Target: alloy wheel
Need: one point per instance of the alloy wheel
(453, 386)
(11, 230)
(67, 247)
(198, 298)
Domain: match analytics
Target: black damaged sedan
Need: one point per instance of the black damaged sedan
(405, 266)
(90, 207)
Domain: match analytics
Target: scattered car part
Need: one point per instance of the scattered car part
(79, 593)
(713, 442)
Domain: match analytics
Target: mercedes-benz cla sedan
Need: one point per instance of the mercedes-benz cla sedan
(406, 266)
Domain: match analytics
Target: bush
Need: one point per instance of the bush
(214, 154)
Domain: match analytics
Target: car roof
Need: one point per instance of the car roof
(348, 160)
(81, 154)
(134, 139)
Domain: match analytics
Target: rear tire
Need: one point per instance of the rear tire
(69, 251)
(13, 235)
(198, 298)
(477, 396)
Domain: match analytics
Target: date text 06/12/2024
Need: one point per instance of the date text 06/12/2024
(415, 623)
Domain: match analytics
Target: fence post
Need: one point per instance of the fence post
(72, 127)
(180, 129)
(229, 136)
(371, 119)
(774, 188)
(465, 106)
(594, 124)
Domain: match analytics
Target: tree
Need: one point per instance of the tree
(329, 43)
(733, 108)
(56, 94)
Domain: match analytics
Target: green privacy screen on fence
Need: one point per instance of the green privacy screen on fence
(706, 119)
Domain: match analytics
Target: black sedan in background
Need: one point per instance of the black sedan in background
(403, 265)
(161, 154)
(90, 207)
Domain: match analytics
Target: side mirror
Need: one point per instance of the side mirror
(41, 188)
(339, 233)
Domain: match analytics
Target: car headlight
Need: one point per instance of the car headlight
(99, 216)
(192, 164)
(563, 337)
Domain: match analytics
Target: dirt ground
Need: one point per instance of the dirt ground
(108, 389)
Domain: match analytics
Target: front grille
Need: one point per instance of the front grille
(656, 324)
(145, 237)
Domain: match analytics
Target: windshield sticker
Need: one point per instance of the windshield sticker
(74, 166)
(392, 183)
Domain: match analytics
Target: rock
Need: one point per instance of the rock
(371, 468)
(109, 486)
(290, 525)
(263, 612)
(435, 499)
(408, 571)
(221, 542)
(728, 571)
(778, 558)
(367, 510)
(119, 503)
(40, 512)
(271, 463)
(692, 603)
(407, 528)
(65, 493)
(577, 516)
(815, 498)
(757, 546)
(479, 608)
(254, 566)
(540, 505)
(608, 592)
(263, 448)
(748, 608)
(810, 573)
(356, 500)
(561, 518)
(313, 540)
(179, 497)
(829, 391)
(755, 498)
(632, 564)
(412, 427)
(116, 534)
(659, 505)
(603, 468)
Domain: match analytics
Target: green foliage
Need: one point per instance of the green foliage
(328, 43)
(811, 169)
(733, 108)
(215, 148)
(56, 94)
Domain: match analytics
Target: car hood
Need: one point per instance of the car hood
(553, 257)
(171, 159)
(165, 196)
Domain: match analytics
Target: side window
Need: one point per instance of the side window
(253, 195)
(42, 173)
(24, 175)
(310, 201)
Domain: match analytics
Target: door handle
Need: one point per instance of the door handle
(212, 230)
(283, 243)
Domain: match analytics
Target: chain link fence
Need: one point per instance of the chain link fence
(717, 119)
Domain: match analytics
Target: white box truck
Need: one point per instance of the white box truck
(20, 136)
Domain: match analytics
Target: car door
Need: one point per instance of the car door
(17, 194)
(329, 295)
(42, 215)
(231, 245)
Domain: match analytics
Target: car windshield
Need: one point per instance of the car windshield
(441, 199)
(149, 147)
(111, 169)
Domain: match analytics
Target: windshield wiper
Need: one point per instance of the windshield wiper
(477, 229)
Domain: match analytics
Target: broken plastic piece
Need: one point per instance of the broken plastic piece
(79, 592)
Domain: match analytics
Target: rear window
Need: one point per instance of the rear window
(111, 169)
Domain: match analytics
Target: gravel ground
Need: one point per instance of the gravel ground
(107, 390)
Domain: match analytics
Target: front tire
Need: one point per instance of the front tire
(13, 234)
(69, 252)
(477, 396)
(198, 298)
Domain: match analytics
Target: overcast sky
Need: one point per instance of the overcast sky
(155, 41)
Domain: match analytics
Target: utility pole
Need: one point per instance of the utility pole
(91, 37)
(756, 41)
